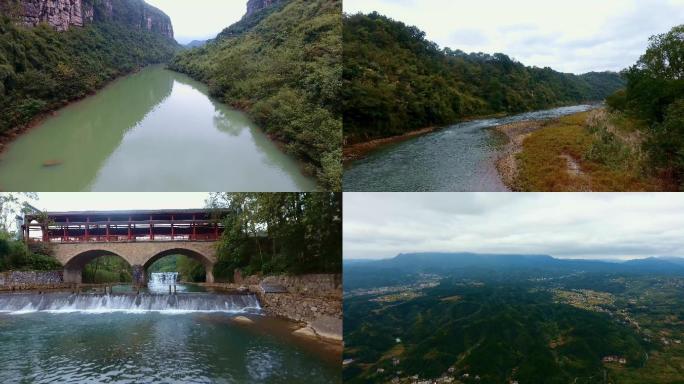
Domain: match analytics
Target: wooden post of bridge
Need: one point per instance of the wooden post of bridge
(109, 219)
(129, 228)
(194, 233)
(151, 229)
(86, 228)
(173, 233)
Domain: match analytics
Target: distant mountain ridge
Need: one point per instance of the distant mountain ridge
(394, 270)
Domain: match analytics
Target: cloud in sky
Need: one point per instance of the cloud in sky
(567, 225)
(200, 19)
(569, 36)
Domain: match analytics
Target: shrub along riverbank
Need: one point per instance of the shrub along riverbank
(282, 65)
(42, 69)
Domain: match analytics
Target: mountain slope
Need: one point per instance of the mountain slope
(46, 66)
(396, 81)
(282, 64)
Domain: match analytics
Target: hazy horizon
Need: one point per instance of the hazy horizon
(608, 226)
(616, 259)
(575, 37)
(200, 19)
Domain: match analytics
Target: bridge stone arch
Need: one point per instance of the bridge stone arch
(73, 265)
(208, 259)
(140, 255)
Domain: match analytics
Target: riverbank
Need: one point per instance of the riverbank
(314, 301)
(582, 152)
(358, 151)
(11, 134)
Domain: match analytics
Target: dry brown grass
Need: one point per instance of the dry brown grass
(556, 158)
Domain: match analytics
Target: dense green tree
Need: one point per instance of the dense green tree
(280, 233)
(282, 65)
(396, 80)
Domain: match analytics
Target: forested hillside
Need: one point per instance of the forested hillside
(42, 69)
(283, 65)
(395, 80)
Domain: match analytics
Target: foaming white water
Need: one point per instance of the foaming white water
(160, 281)
(23, 303)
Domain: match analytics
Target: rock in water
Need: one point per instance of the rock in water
(242, 320)
(52, 163)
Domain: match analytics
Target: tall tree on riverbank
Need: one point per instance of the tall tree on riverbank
(280, 233)
(655, 94)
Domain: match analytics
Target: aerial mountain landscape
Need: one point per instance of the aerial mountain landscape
(589, 291)
(513, 318)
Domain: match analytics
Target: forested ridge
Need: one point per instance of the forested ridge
(42, 69)
(283, 66)
(395, 80)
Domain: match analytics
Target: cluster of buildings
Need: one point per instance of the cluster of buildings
(614, 359)
(425, 281)
(451, 377)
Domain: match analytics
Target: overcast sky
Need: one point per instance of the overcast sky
(566, 225)
(98, 201)
(569, 36)
(200, 19)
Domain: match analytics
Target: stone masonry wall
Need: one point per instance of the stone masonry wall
(30, 279)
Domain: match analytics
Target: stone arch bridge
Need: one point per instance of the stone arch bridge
(138, 237)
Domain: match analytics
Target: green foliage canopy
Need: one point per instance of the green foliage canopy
(291, 233)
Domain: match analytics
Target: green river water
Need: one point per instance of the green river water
(155, 130)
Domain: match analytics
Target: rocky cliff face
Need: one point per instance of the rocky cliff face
(63, 14)
(254, 6)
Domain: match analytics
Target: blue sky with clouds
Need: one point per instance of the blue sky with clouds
(570, 36)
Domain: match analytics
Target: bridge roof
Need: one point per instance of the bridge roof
(123, 215)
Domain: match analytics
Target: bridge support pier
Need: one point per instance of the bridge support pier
(209, 275)
(72, 276)
(139, 275)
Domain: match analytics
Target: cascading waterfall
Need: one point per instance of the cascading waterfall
(62, 302)
(160, 281)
